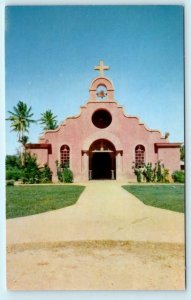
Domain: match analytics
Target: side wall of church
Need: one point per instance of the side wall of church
(170, 158)
(41, 155)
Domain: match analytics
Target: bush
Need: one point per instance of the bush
(158, 172)
(64, 173)
(148, 172)
(137, 171)
(165, 176)
(67, 175)
(13, 161)
(139, 175)
(178, 176)
(13, 167)
(14, 174)
(10, 183)
(59, 171)
(31, 171)
(46, 174)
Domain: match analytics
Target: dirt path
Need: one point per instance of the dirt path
(97, 266)
(50, 250)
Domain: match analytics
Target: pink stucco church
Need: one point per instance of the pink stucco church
(102, 142)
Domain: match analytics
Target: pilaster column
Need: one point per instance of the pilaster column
(85, 164)
(118, 165)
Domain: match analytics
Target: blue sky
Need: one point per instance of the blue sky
(51, 52)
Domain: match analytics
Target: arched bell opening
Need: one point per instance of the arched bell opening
(101, 92)
(101, 88)
(102, 160)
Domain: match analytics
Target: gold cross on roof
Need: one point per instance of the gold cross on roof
(101, 68)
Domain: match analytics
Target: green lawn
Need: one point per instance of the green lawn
(163, 196)
(30, 200)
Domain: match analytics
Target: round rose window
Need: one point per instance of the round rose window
(101, 118)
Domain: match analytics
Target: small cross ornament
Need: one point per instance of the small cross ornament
(101, 68)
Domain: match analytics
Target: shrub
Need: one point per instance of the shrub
(13, 167)
(10, 183)
(159, 173)
(13, 161)
(139, 175)
(46, 174)
(162, 174)
(137, 171)
(178, 176)
(31, 171)
(67, 175)
(14, 174)
(59, 171)
(64, 173)
(148, 172)
(165, 175)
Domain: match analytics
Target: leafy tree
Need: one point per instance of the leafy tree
(48, 120)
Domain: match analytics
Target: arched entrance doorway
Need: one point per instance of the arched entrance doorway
(102, 162)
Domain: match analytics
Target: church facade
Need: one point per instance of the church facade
(102, 142)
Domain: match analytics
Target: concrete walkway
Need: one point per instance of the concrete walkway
(104, 211)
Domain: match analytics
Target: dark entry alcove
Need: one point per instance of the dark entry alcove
(101, 166)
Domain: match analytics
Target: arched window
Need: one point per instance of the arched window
(139, 155)
(65, 156)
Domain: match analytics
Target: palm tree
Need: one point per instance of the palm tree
(24, 140)
(21, 119)
(48, 120)
(20, 122)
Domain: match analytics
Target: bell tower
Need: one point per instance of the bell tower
(101, 88)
